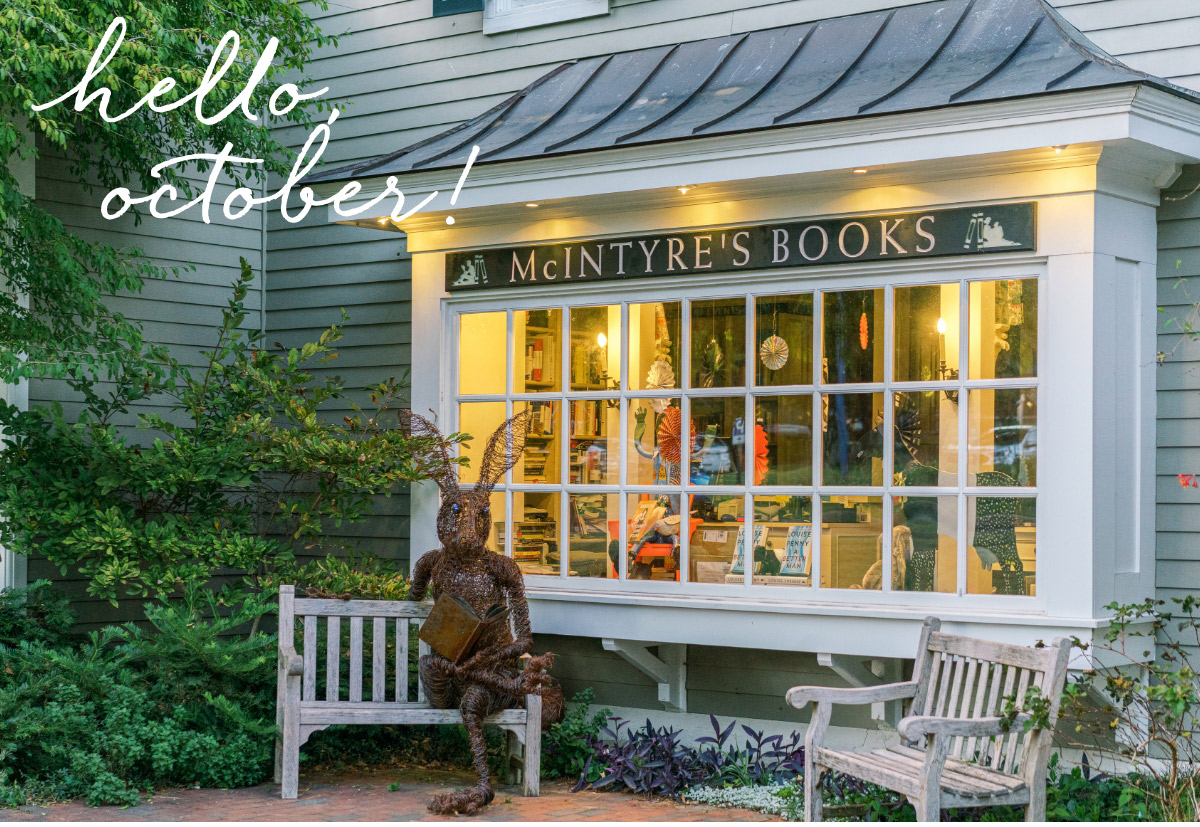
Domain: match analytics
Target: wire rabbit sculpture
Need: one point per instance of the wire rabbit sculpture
(490, 679)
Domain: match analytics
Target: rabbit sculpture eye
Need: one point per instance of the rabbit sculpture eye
(490, 679)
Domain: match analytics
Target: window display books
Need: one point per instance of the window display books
(799, 551)
(739, 551)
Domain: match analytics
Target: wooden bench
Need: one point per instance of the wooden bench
(310, 697)
(954, 750)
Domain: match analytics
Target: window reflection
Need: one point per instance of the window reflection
(852, 430)
(718, 455)
(852, 325)
(852, 543)
(925, 533)
(784, 338)
(540, 463)
(718, 343)
(716, 547)
(927, 333)
(1002, 532)
(1003, 330)
(595, 347)
(654, 340)
(652, 537)
(925, 426)
(784, 558)
(656, 449)
(593, 527)
(537, 351)
(1002, 435)
(783, 440)
(481, 345)
(535, 532)
(480, 420)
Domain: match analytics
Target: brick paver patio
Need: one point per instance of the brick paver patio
(363, 796)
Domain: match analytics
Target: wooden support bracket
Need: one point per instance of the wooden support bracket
(882, 671)
(668, 670)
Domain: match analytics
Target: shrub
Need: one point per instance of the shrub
(566, 745)
(183, 702)
(34, 614)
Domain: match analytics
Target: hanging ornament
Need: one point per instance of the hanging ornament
(774, 350)
(711, 361)
(864, 338)
(660, 377)
(670, 427)
(761, 450)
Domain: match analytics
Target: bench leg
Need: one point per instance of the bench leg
(533, 745)
(288, 750)
(812, 791)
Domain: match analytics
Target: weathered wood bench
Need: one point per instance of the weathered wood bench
(968, 758)
(305, 706)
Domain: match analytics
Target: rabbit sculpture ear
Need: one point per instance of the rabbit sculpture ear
(503, 449)
(441, 468)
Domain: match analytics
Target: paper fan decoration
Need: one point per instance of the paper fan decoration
(761, 463)
(864, 337)
(773, 352)
(669, 430)
(659, 378)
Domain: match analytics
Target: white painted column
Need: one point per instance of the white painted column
(12, 567)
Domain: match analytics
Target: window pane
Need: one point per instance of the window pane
(715, 539)
(481, 338)
(783, 340)
(925, 543)
(853, 443)
(495, 540)
(535, 532)
(1003, 332)
(719, 343)
(1002, 532)
(542, 458)
(783, 440)
(653, 537)
(480, 420)
(718, 455)
(785, 556)
(595, 430)
(851, 534)
(655, 447)
(593, 526)
(926, 433)
(595, 347)
(853, 324)
(654, 340)
(1002, 435)
(926, 333)
(537, 350)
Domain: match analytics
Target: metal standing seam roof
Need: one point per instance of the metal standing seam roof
(935, 54)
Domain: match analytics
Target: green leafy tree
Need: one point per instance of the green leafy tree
(55, 320)
(241, 473)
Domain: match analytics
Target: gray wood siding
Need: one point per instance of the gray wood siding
(1178, 511)
(180, 312)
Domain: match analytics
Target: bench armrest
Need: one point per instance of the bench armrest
(801, 696)
(290, 663)
(917, 726)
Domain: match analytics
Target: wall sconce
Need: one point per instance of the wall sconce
(609, 383)
(946, 373)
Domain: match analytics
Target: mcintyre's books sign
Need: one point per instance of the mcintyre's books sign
(995, 228)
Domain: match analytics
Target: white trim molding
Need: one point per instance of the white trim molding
(510, 15)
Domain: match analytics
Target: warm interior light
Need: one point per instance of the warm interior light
(601, 339)
(684, 190)
(531, 204)
(1059, 148)
(383, 220)
(860, 171)
(941, 326)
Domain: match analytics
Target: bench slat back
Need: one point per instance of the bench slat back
(338, 649)
(965, 677)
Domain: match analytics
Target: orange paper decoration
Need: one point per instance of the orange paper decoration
(760, 454)
(669, 430)
(863, 337)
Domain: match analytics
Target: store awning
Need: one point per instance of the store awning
(931, 55)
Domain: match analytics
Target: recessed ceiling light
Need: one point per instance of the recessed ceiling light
(684, 190)
(531, 204)
(383, 220)
(1059, 148)
(860, 171)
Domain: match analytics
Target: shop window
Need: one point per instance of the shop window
(879, 439)
(510, 15)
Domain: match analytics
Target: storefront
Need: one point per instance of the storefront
(827, 328)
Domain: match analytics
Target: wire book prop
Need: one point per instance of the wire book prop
(490, 679)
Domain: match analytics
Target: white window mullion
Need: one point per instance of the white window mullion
(818, 437)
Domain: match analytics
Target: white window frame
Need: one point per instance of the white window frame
(510, 15)
(841, 278)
